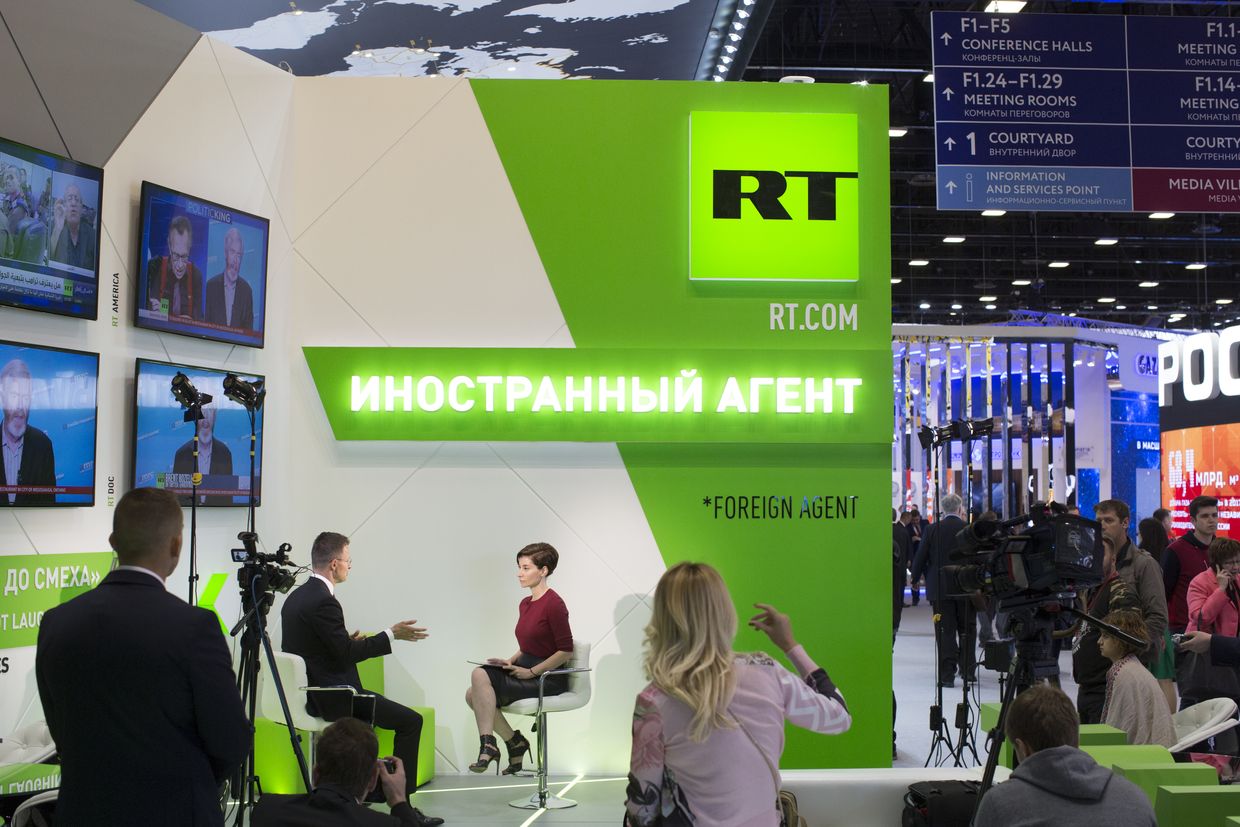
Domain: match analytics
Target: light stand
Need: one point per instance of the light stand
(933, 440)
(184, 392)
(249, 395)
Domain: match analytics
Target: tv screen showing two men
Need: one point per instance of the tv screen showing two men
(164, 441)
(202, 268)
(49, 232)
(47, 434)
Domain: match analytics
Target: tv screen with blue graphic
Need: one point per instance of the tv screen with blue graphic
(47, 429)
(49, 231)
(202, 268)
(163, 455)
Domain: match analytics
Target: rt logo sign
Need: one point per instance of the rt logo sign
(777, 196)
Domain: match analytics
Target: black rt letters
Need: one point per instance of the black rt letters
(820, 186)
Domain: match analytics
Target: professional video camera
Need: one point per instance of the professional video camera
(265, 569)
(1033, 558)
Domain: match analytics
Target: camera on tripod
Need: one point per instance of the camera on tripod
(265, 569)
(1036, 557)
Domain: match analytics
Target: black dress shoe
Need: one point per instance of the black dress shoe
(423, 820)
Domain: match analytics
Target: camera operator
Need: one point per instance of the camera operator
(345, 770)
(955, 627)
(1089, 665)
(1056, 780)
(1142, 573)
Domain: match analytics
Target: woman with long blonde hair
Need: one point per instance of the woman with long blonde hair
(708, 730)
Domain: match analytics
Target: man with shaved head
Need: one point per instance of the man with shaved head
(230, 301)
(138, 688)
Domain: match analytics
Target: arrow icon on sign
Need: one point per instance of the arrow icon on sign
(946, 38)
(947, 93)
(950, 143)
(951, 187)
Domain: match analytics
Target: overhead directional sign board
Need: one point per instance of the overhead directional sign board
(1096, 113)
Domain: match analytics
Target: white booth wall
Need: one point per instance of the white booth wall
(392, 223)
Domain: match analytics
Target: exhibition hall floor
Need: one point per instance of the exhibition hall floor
(475, 801)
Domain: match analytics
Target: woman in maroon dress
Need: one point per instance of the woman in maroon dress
(546, 643)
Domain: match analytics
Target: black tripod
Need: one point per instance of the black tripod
(257, 595)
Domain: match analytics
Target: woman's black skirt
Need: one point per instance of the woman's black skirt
(509, 689)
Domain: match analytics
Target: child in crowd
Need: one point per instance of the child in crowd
(1134, 701)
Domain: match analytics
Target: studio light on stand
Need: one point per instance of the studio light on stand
(192, 400)
(260, 577)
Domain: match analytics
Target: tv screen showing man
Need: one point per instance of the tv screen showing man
(46, 393)
(49, 231)
(183, 238)
(164, 442)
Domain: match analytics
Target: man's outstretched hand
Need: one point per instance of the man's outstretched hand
(406, 630)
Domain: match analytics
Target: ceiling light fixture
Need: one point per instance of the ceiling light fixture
(1107, 299)
(1159, 216)
(1151, 307)
(924, 305)
(986, 298)
(990, 307)
(1222, 301)
(929, 78)
(1005, 6)
(957, 307)
(1106, 242)
(954, 239)
(896, 132)
(1196, 265)
(1058, 265)
(1148, 284)
(895, 280)
(994, 213)
(918, 262)
(1021, 282)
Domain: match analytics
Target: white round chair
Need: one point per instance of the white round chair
(575, 697)
(32, 744)
(33, 811)
(1203, 720)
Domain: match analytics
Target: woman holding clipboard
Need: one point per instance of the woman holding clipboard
(546, 643)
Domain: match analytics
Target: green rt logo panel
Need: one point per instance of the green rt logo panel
(773, 197)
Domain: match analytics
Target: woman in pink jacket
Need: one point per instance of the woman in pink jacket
(1213, 595)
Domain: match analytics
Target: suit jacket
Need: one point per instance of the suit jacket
(899, 553)
(327, 806)
(38, 468)
(933, 553)
(221, 459)
(140, 697)
(313, 627)
(243, 303)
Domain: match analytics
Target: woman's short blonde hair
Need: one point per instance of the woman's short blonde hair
(689, 644)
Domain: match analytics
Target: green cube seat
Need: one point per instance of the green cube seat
(1179, 806)
(1108, 755)
(1149, 777)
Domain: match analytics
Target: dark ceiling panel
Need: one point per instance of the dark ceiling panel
(888, 41)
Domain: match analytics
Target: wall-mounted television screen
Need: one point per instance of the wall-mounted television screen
(49, 231)
(202, 268)
(163, 455)
(47, 433)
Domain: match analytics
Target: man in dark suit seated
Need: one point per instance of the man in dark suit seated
(138, 687)
(346, 768)
(313, 627)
